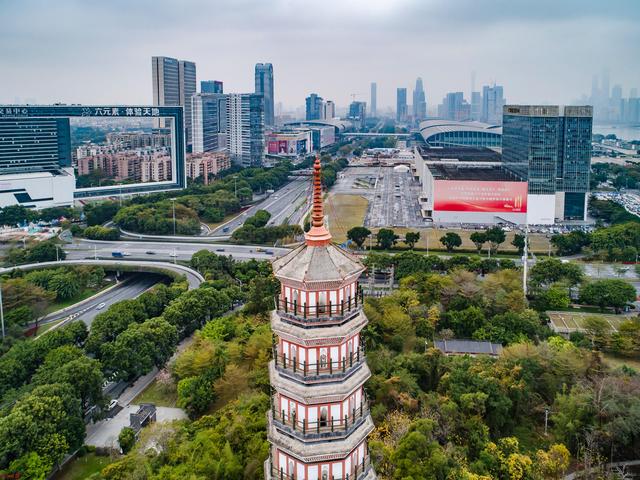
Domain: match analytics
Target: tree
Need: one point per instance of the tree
(597, 330)
(451, 240)
(358, 235)
(479, 239)
(518, 242)
(612, 293)
(551, 270)
(127, 439)
(411, 238)
(386, 238)
(196, 394)
(570, 243)
(495, 236)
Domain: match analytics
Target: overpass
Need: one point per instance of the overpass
(193, 277)
(374, 135)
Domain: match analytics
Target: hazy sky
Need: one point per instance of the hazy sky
(92, 51)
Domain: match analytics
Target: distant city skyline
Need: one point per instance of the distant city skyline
(519, 45)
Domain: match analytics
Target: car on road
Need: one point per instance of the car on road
(269, 252)
(150, 252)
(219, 249)
(117, 254)
(113, 404)
(260, 250)
(225, 229)
(101, 306)
(173, 254)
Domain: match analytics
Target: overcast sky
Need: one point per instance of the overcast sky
(92, 51)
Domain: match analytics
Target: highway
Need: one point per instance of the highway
(163, 251)
(87, 310)
(194, 278)
(280, 205)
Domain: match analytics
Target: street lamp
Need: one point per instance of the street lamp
(173, 201)
(57, 253)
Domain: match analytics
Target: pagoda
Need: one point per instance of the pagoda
(319, 418)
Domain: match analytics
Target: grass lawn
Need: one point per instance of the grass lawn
(346, 211)
(86, 293)
(614, 361)
(83, 467)
(157, 395)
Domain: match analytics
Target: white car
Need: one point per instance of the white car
(113, 404)
(101, 306)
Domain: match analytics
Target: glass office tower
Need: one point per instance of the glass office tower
(34, 145)
(264, 87)
(245, 128)
(552, 149)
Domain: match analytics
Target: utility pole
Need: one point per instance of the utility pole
(173, 201)
(524, 259)
(57, 254)
(1, 313)
(546, 420)
(95, 252)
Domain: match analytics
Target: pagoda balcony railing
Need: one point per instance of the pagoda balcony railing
(314, 315)
(322, 370)
(357, 472)
(322, 428)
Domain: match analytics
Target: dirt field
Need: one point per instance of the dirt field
(346, 211)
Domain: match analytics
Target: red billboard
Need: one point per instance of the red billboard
(474, 196)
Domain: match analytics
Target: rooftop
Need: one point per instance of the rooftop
(477, 172)
(429, 128)
(468, 347)
(461, 154)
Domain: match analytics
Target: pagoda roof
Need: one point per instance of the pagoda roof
(310, 265)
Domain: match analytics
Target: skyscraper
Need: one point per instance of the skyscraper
(419, 102)
(319, 419)
(264, 87)
(374, 99)
(187, 77)
(209, 121)
(401, 104)
(552, 150)
(358, 113)
(492, 103)
(454, 107)
(476, 106)
(211, 86)
(174, 81)
(245, 128)
(329, 110)
(313, 106)
(166, 84)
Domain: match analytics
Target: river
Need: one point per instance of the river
(626, 132)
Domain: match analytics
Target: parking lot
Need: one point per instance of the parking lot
(392, 195)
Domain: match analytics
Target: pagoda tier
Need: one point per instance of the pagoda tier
(319, 418)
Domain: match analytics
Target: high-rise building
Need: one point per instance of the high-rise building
(358, 113)
(329, 110)
(492, 103)
(476, 106)
(34, 145)
(209, 121)
(319, 419)
(454, 107)
(245, 128)
(551, 148)
(419, 102)
(166, 85)
(314, 108)
(633, 93)
(187, 76)
(374, 99)
(401, 104)
(264, 87)
(211, 86)
(174, 81)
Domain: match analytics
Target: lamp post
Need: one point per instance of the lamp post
(1, 313)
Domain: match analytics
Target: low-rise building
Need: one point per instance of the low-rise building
(290, 143)
(207, 165)
(468, 347)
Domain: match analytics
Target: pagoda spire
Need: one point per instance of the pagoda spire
(318, 235)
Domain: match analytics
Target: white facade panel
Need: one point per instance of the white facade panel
(541, 209)
(37, 190)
